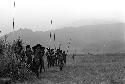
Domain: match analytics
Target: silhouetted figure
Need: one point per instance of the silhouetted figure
(48, 57)
(51, 57)
(29, 53)
(38, 61)
(33, 66)
(41, 53)
(60, 60)
(64, 57)
(52, 54)
(56, 58)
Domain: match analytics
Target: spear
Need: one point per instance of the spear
(14, 4)
(50, 39)
(54, 37)
(13, 24)
(50, 34)
(13, 16)
(51, 22)
(54, 40)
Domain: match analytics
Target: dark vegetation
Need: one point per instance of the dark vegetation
(9, 62)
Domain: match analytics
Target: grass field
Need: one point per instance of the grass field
(86, 69)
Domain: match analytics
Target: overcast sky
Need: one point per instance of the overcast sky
(36, 14)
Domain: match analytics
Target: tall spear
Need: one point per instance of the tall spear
(54, 37)
(50, 39)
(54, 40)
(13, 16)
(51, 22)
(50, 34)
(13, 24)
(14, 4)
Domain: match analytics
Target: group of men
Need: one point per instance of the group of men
(56, 58)
(33, 57)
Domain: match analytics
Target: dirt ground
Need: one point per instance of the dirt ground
(89, 69)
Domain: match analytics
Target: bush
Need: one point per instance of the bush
(10, 60)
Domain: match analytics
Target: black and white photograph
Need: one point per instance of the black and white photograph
(62, 42)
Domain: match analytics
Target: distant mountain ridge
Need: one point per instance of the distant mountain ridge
(89, 38)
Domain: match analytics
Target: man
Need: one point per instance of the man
(52, 57)
(64, 56)
(38, 57)
(34, 66)
(60, 59)
(29, 53)
(41, 53)
(48, 57)
(57, 56)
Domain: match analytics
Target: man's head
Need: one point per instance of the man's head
(40, 47)
(34, 48)
(28, 47)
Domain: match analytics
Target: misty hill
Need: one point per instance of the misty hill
(93, 38)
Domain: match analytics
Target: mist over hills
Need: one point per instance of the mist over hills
(89, 38)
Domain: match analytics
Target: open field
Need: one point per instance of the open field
(87, 69)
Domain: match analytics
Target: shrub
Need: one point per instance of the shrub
(10, 60)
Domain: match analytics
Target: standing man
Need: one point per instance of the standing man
(61, 61)
(41, 59)
(64, 56)
(35, 63)
(28, 54)
(48, 57)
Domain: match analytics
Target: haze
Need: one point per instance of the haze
(36, 14)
